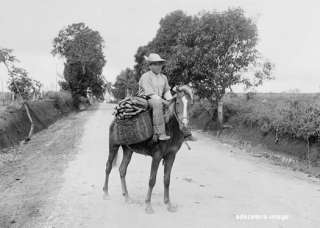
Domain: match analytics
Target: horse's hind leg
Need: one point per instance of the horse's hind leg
(168, 163)
(127, 153)
(113, 150)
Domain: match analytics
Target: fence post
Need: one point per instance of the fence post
(220, 112)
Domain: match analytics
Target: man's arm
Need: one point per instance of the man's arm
(167, 94)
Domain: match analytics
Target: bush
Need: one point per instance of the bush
(296, 116)
(61, 98)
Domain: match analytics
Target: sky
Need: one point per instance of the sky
(289, 34)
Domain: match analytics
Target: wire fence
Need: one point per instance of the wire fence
(6, 98)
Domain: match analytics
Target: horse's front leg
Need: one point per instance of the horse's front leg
(123, 171)
(168, 163)
(153, 175)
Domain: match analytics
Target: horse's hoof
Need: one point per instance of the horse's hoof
(128, 200)
(172, 208)
(149, 210)
(105, 196)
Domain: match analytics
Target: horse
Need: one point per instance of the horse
(176, 120)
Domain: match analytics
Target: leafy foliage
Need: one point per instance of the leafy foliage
(19, 82)
(82, 49)
(126, 84)
(213, 51)
(279, 115)
(64, 85)
(165, 43)
(79, 43)
(295, 116)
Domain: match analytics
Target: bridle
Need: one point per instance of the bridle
(174, 99)
(181, 123)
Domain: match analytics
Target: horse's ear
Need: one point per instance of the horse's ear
(187, 91)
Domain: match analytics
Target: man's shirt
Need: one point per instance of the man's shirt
(152, 84)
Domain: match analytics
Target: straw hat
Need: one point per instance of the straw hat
(153, 57)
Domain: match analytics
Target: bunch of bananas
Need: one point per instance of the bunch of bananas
(130, 106)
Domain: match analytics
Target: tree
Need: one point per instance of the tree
(37, 85)
(164, 43)
(126, 84)
(64, 85)
(213, 51)
(99, 87)
(82, 49)
(19, 82)
(224, 50)
(108, 86)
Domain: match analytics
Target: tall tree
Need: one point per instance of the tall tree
(224, 53)
(82, 49)
(164, 43)
(213, 51)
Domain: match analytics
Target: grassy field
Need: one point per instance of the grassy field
(297, 115)
(282, 115)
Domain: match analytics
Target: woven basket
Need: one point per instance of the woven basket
(130, 131)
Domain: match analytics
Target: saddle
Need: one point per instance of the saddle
(132, 123)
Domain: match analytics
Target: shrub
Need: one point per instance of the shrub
(286, 115)
(61, 98)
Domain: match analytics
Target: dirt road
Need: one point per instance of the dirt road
(56, 181)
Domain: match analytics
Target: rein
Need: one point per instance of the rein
(175, 114)
(175, 111)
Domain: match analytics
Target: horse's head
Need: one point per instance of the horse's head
(183, 97)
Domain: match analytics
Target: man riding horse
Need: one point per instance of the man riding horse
(155, 85)
(170, 132)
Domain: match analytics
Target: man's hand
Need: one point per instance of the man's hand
(164, 102)
(167, 95)
(155, 138)
(154, 96)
